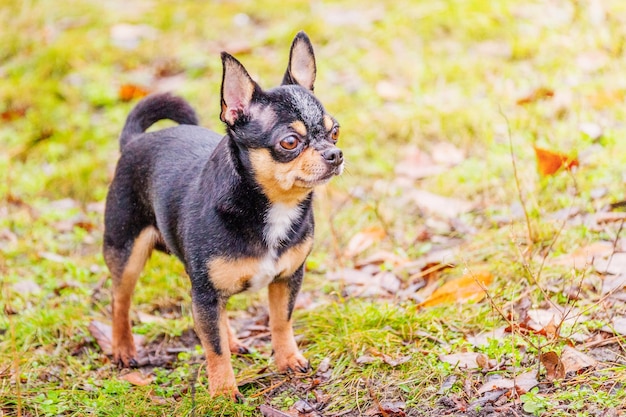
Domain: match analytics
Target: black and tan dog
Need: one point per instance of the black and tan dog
(236, 210)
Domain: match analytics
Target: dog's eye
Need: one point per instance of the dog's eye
(334, 134)
(290, 143)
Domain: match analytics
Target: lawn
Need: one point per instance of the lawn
(470, 261)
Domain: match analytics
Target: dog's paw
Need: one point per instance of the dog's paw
(230, 392)
(237, 348)
(292, 362)
(125, 356)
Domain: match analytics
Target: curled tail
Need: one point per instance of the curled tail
(154, 108)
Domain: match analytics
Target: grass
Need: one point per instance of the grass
(410, 73)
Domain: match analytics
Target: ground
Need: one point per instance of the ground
(470, 261)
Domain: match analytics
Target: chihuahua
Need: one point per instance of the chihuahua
(236, 210)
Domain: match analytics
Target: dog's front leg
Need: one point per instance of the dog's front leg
(282, 297)
(211, 323)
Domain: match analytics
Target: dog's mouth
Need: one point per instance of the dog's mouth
(321, 180)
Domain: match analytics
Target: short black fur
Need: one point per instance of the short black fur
(202, 195)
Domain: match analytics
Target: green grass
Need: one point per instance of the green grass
(457, 68)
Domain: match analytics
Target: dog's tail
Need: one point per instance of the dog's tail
(154, 108)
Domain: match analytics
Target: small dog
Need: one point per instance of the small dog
(236, 210)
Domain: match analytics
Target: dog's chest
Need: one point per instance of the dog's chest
(279, 221)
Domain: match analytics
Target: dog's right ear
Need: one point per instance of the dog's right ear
(301, 69)
(237, 90)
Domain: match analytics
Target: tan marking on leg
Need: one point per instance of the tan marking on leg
(294, 257)
(219, 369)
(283, 182)
(231, 275)
(122, 339)
(286, 351)
(299, 128)
(328, 123)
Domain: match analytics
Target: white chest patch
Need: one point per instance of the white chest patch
(278, 223)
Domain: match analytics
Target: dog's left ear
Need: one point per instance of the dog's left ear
(301, 69)
(238, 88)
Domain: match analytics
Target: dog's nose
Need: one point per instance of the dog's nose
(333, 156)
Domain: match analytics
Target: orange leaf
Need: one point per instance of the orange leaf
(549, 162)
(130, 92)
(363, 240)
(13, 113)
(540, 93)
(466, 288)
(137, 378)
(554, 366)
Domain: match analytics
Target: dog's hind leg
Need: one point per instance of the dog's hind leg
(126, 262)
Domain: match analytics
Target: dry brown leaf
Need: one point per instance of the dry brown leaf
(585, 256)
(417, 164)
(437, 205)
(574, 360)
(137, 378)
(13, 113)
(550, 162)
(606, 98)
(462, 360)
(268, 411)
(103, 334)
(129, 92)
(469, 287)
(541, 93)
(361, 241)
(618, 326)
(554, 366)
(551, 330)
(522, 383)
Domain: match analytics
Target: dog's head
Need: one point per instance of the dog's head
(288, 139)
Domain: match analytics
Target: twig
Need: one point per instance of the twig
(531, 238)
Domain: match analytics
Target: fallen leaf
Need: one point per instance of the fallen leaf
(363, 240)
(448, 208)
(129, 92)
(554, 366)
(463, 360)
(522, 383)
(615, 264)
(392, 408)
(150, 318)
(585, 256)
(26, 287)
(469, 287)
(389, 282)
(13, 113)
(103, 333)
(549, 162)
(484, 338)
(364, 359)
(551, 330)
(606, 98)
(447, 384)
(541, 93)
(268, 411)
(417, 164)
(574, 360)
(618, 326)
(137, 378)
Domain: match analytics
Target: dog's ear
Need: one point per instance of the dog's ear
(237, 90)
(301, 69)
